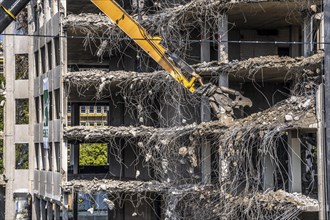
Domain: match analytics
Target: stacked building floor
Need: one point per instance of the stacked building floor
(95, 129)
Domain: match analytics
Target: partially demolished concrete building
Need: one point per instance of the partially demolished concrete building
(166, 155)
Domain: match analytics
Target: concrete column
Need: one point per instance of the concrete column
(57, 212)
(42, 209)
(75, 157)
(75, 114)
(206, 163)
(223, 38)
(9, 122)
(205, 44)
(223, 54)
(223, 79)
(205, 111)
(320, 153)
(50, 214)
(308, 35)
(294, 150)
(320, 32)
(268, 172)
(294, 35)
(36, 206)
(65, 206)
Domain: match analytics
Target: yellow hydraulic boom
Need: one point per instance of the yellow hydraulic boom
(151, 45)
(174, 65)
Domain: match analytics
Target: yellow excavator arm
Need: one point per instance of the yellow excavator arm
(174, 65)
(151, 45)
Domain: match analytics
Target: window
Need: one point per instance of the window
(57, 51)
(50, 55)
(43, 59)
(21, 66)
(36, 154)
(36, 60)
(36, 102)
(93, 154)
(98, 109)
(42, 108)
(86, 201)
(50, 156)
(50, 106)
(21, 23)
(82, 109)
(91, 109)
(43, 157)
(57, 103)
(36, 18)
(22, 111)
(57, 157)
(22, 156)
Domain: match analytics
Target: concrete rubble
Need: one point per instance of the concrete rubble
(248, 68)
(113, 186)
(283, 67)
(301, 108)
(272, 201)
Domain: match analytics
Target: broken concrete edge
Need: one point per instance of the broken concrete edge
(97, 77)
(251, 66)
(294, 112)
(86, 134)
(269, 198)
(246, 69)
(273, 200)
(177, 14)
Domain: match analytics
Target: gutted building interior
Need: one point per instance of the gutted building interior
(96, 129)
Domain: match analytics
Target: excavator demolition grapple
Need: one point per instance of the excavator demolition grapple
(219, 97)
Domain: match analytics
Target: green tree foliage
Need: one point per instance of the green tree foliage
(22, 111)
(22, 156)
(93, 154)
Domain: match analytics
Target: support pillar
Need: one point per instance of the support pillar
(268, 172)
(326, 5)
(294, 150)
(65, 207)
(75, 114)
(223, 38)
(308, 35)
(223, 56)
(57, 212)
(205, 110)
(36, 207)
(42, 209)
(50, 213)
(75, 158)
(223, 81)
(205, 44)
(294, 35)
(320, 153)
